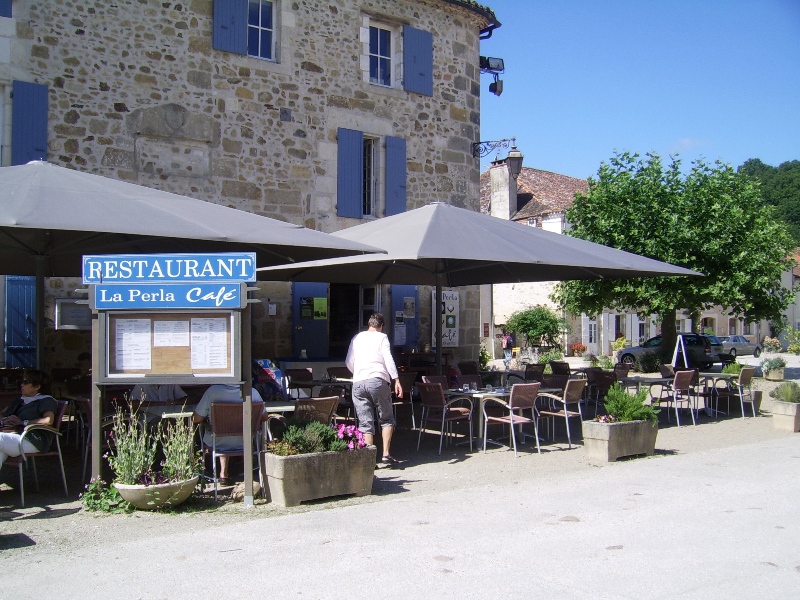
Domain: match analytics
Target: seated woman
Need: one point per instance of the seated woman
(31, 407)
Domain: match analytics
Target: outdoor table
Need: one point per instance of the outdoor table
(713, 378)
(483, 395)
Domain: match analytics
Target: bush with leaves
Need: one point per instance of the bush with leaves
(733, 368)
(98, 496)
(622, 406)
(546, 357)
(307, 437)
(483, 358)
(540, 325)
(647, 362)
(788, 391)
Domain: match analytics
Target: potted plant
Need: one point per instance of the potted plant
(133, 455)
(313, 460)
(773, 368)
(771, 344)
(786, 406)
(629, 428)
(578, 349)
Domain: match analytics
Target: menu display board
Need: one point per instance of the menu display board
(170, 343)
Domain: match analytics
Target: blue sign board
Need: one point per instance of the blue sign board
(157, 268)
(122, 296)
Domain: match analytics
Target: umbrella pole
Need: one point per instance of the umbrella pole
(437, 311)
(40, 270)
(247, 394)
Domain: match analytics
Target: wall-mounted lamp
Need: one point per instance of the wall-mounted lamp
(513, 160)
(489, 64)
(496, 87)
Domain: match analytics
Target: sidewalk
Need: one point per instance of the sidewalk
(694, 521)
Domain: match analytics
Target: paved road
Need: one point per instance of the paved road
(714, 524)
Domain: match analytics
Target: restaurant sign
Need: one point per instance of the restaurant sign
(221, 267)
(120, 296)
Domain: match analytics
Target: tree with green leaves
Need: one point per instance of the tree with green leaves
(540, 325)
(780, 187)
(712, 220)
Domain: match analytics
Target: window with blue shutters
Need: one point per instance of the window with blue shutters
(417, 61)
(371, 175)
(5, 8)
(247, 27)
(28, 122)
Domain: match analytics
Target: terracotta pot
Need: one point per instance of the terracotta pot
(295, 479)
(150, 497)
(606, 442)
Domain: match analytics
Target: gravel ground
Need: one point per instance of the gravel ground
(52, 522)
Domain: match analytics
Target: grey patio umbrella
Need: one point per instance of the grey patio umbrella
(50, 216)
(444, 246)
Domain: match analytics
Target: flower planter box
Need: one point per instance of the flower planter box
(774, 375)
(150, 497)
(295, 479)
(606, 442)
(786, 416)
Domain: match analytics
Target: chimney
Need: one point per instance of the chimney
(503, 189)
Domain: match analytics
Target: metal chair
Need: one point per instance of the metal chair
(468, 367)
(523, 397)
(560, 367)
(22, 459)
(407, 381)
(738, 388)
(296, 378)
(226, 421)
(682, 390)
(560, 406)
(436, 409)
(321, 409)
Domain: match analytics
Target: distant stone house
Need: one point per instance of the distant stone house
(540, 199)
(320, 114)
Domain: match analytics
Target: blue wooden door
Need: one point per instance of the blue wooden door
(310, 319)
(20, 321)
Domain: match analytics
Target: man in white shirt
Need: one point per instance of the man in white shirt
(369, 359)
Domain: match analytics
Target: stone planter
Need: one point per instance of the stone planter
(150, 497)
(295, 479)
(786, 416)
(774, 375)
(606, 442)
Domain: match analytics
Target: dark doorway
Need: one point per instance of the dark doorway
(344, 311)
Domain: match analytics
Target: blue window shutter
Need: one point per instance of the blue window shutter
(395, 175)
(5, 8)
(28, 123)
(350, 167)
(230, 26)
(417, 61)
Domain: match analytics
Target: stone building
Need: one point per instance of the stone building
(322, 114)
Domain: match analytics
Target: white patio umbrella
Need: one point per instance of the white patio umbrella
(444, 246)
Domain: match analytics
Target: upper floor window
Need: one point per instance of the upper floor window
(248, 27)
(396, 56)
(380, 56)
(261, 29)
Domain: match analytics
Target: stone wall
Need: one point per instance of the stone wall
(137, 93)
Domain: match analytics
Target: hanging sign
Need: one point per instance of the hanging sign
(167, 295)
(449, 311)
(155, 268)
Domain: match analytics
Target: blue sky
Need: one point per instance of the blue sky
(717, 79)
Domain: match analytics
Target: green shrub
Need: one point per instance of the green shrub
(605, 362)
(647, 362)
(623, 406)
(306, 437)
(769, 364)
(786, 392)
(546, 357)
(733, 368)
(483, 358)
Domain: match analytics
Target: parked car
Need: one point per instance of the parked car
(736, 345)
(703, 350)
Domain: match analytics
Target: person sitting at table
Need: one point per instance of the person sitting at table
(221, 393)
(31, 407)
